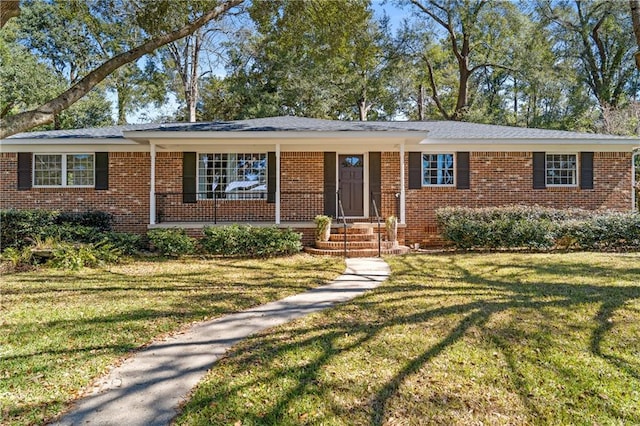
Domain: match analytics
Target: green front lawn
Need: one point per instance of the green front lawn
(449, 339)
(59, 330)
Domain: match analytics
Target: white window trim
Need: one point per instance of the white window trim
(552, 185)
(437, 185)
(198, 193)
(64, 170)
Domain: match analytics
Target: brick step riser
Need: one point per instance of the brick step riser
(357, 253)
(352, 230)
(339, 245)
(354, 237)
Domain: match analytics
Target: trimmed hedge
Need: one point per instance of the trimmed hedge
(22, 228)
(538, 228)
(19, 228)
(245, 240)
(172, 242)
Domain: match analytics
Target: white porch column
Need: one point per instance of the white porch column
(278, 184)
(152, 190)
(402, 189)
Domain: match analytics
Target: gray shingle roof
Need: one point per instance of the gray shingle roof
(436, 129)
(112, 132)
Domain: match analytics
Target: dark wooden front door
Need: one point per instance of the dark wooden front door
(351, 184)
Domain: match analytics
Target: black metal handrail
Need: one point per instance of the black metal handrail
(344, 223)
(375, 209)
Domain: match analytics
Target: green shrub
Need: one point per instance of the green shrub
(244, 240)
(74, 257)
(23, 228)
(17, 257)
(126, 242)
(70, 233)
(538, 228)
(609, 231)
(172, 242)
(94, 219)
(19, 228)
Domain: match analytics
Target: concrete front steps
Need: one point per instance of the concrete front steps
(362, 241)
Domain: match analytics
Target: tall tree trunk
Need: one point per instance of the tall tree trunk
(635, 16)
(45, 113)
(193, 80)
(463, 94)
(515, 100)
(122, 114)
(363, 109)
(8, 9)
(421, 102)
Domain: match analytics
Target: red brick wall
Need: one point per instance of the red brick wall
(496, 179)
(501, 178)
(127, 197)
(301, 185)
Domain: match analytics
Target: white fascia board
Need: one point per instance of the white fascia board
(71, 145)
(528, 145)
(267, 136)
(289, 145)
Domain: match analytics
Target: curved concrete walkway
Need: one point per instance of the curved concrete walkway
(148, 388)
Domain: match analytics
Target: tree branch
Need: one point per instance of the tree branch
(8, 9)
(491, 65)
(45, 113)
(434, 91)
(635, 16)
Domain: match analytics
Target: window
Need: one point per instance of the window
(561, 169)
(437, 169)
(63, 170)
(232, 176)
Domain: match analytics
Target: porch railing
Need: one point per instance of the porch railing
(212, 207)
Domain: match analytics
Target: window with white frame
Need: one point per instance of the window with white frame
(63, 170)
(232, 176)
(561, 169)
(437, 169)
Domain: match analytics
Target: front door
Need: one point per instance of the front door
(351, 184)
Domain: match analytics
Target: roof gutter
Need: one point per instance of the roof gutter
(145, 137)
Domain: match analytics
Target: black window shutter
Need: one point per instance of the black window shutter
(415, 170)
(586, 170)
(539, 167)
(24, 170)
(462, 170)
(271, 177)
(102, 170)
(375, 180)
(189, 165)
(330, 184)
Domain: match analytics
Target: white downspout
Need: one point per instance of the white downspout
(278, 184)
(152, 186)
(402, 189)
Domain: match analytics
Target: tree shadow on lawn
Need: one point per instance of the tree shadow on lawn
(376, 315)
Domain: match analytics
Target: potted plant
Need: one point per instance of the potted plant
(392, 228)
(323, 227)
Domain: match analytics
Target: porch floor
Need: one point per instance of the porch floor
(200, 225)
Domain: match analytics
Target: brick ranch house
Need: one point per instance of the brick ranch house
(287, 170)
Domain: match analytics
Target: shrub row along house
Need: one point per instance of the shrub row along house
(287, 170)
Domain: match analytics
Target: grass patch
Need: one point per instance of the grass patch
(59, 330)
(449, 339)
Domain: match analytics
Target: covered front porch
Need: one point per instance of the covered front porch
(290, 207)
(276, 177)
